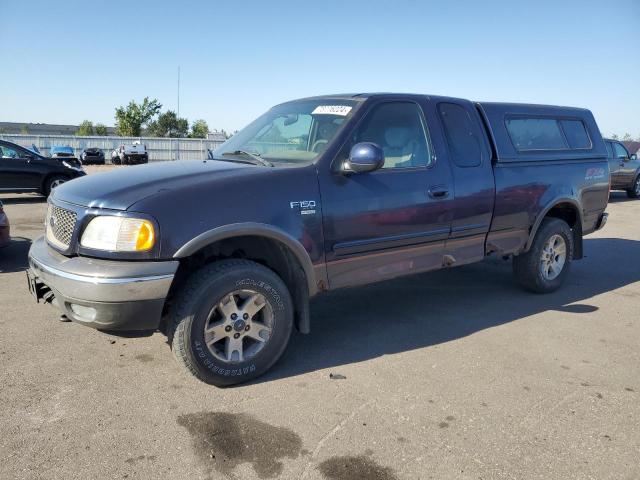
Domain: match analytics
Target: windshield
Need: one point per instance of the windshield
(294, 132)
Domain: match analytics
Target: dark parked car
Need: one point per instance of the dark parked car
(23, 170)
(62, 152)
(319, 194)
(92, 156)
(5, 233)
(624, 167)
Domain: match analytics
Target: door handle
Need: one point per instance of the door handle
(438, 192)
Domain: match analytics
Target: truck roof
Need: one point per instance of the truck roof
(497, 116)
(365, 95)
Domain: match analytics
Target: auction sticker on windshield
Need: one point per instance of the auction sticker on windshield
(342, 110)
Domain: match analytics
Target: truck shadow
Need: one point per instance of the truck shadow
(420, 311)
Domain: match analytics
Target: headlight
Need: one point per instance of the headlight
(119, 234)
(68, 165)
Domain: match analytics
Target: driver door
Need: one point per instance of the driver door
(394, 220)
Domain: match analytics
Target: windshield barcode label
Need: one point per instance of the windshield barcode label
(342, 110)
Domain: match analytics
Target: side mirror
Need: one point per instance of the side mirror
(633, 157)
(364, 157)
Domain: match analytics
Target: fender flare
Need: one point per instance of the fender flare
(553, 203)
(258, 230)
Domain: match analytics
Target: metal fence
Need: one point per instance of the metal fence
(160, 149)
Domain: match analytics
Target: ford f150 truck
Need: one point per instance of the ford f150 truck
(319, 194)
(624, 168)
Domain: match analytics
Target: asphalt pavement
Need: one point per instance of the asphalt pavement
(456, 374)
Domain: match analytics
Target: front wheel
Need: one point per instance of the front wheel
(230, 322)
(52, 183)
(634, 192)
(544, 267)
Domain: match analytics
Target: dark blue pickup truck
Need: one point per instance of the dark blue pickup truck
(318, 194)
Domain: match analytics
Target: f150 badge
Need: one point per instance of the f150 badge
(307, 207)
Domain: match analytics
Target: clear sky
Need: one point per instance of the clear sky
(66, 61)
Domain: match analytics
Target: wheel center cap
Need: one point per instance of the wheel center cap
(239, 325)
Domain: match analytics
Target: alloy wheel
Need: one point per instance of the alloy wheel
(239, 326)
(56, 183)
(553, 258)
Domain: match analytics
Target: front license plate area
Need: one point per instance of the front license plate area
(37, 289)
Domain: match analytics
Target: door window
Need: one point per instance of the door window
(620, 151)
(8, 152)
(398, 128)
(462, 135)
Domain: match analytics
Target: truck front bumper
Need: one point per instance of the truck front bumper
(104, 294)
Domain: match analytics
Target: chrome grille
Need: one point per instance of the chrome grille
(60, 224)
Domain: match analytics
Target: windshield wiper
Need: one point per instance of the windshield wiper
(254, 156)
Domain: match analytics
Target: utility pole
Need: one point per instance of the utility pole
(178, 115)
(178, 91)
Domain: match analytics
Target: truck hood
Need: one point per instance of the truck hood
(121, 188)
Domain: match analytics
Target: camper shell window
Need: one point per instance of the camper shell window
(544, 133)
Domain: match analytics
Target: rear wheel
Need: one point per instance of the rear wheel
(634, 192)
(230, 322)
(544, 267)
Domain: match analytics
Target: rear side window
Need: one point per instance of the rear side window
(535, 134)
(576, 134)
(609, 150)
(462, 135)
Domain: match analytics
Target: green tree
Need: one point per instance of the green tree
(627, 137)
(199, 129)
(24, 130)
(169, 125)
(85, 129)
(614, 137)
(130, 119)
(101, 129)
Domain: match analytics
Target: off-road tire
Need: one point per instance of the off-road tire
(526, 266)
(196, 298)
(634, 192)
(51, 182)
